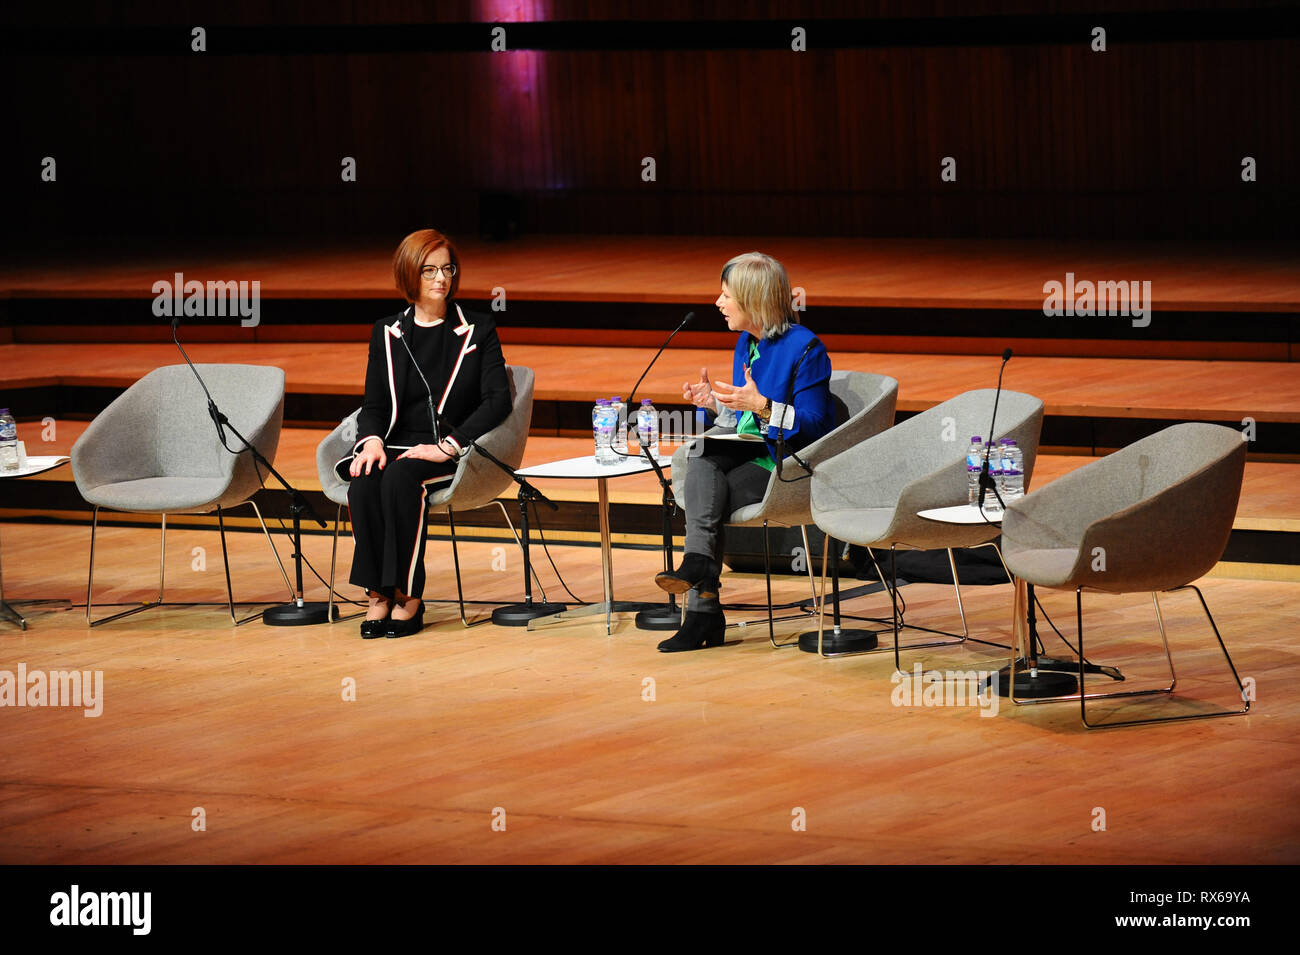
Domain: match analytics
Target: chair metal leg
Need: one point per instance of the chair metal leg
(1084, 696)
(7, 612)
(274, 553)
(455, 559)
(956, 586)
(807, 553)
(821, 604)
(334, 553)
(225, 560)
(514, 533)
(893, 601)
(767, 577)
(1217, 636)
(90, 579)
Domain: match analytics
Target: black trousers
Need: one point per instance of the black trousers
(389, 525)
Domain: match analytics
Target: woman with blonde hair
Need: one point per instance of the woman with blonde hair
(780, 382)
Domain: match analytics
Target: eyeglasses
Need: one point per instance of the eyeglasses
(430, 272)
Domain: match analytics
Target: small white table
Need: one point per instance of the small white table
(961, 514)
(586, 468)
(35, 465)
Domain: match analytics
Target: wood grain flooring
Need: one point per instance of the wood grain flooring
(552, 732)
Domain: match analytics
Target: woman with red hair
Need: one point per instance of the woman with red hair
(435, 382)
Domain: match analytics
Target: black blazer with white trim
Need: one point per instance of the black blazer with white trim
(473, 400)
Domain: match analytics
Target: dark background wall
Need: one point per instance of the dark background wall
(1049, 137)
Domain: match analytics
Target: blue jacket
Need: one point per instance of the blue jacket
(810, 392)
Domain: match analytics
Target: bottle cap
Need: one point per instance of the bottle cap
(645, 401)
(976, 440)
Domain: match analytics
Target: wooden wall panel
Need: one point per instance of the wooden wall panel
(1144, 140)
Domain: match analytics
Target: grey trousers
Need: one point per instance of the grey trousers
(723, 479)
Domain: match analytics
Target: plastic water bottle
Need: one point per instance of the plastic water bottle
(991, 505)
(620, 430)
(1013, 472)
(647, 428)
(599, 412)
(606, 429)
(8, 441)
(974, 464)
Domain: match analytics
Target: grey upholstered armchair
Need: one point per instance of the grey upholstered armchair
(154, 450)
(1152, 517)
(870, 495)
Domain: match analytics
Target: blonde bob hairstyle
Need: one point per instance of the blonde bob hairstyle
(759, 285)
(409, 259)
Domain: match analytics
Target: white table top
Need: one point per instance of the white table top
(36, 464)
(961, 514)
(586, 467)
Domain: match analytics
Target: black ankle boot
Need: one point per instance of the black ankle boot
(694, 569)
(698, 631)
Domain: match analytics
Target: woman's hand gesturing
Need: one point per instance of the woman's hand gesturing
(371, 454)
(699, 393)
(744, 398)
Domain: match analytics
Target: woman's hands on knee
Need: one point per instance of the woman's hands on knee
(427, 452)
(372, 454)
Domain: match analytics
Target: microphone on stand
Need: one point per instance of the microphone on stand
(213, 413)
(656, 617)
(685, 321)
(298, 612)
(986, 480)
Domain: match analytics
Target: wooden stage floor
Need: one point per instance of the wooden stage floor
(552, 732)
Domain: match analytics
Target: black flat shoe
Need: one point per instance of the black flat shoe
(373, 628)
(694, 569)
(698, 631)
(405, 628)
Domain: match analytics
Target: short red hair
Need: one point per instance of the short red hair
(409, 259)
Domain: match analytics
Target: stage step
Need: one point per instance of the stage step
(1092, 404)
(1228, 300)
(1265, 540)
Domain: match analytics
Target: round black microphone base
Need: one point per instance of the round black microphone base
(295, 615)
(518, 615)
(843, 641)
(1040, 685)
(659, 617)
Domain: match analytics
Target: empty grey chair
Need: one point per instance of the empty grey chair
(870, 495)
(1152, 517)
(864, 406)
(477, 481)
(154, 450)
